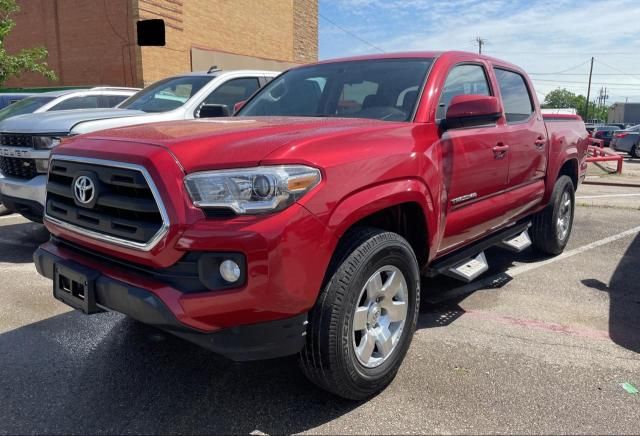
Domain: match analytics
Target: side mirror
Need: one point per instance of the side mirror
(238, 106)
(472, 110)
(213, 111)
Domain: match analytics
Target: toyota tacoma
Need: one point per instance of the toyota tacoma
(304, 224)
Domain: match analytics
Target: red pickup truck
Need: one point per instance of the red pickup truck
(303, 224)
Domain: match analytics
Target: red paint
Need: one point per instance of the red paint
(366, 165)
(535, 324)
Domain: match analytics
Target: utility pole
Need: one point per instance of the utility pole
(586, 109)
(481, 42)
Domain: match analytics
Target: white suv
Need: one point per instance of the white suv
(26, 140)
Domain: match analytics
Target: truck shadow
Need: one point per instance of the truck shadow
(624, 298)
(19, 241)
(108, 374)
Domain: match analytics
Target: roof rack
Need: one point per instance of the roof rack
(113, 88)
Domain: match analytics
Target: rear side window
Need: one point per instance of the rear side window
(515, 95)
(89, 101)
(462, 80)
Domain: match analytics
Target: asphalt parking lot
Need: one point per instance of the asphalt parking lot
(546, 352)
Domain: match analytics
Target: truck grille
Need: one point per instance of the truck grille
(122, 206)
(16, 140)
(18, 167)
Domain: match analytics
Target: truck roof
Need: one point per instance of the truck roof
(420, 54)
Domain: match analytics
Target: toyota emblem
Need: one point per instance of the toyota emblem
(84, 189)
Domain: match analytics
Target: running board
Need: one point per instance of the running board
(517, 244)
(469, 269)
(471, 259)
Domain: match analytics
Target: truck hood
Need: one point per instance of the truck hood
(228, 142)
(60, 121)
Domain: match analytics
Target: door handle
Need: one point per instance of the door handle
(540, 142)
(500, 150)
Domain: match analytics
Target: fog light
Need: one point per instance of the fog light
(230, 271)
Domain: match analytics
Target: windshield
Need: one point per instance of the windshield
(167, 94)
(381, 89)
(25, 106)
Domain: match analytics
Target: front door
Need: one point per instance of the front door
(475, 164)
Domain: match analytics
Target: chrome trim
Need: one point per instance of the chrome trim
(162, 231)
(23, 152)
(464, 198)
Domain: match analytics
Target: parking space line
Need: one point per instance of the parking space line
(529, 267)
(586, 197)
(500, 279)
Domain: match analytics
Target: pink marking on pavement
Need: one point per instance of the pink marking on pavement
(540, 325)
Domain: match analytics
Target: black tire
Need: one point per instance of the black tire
(544, 229)
(329, 358)
(4, 210)
(635, 151)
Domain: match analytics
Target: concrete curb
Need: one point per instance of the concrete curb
(603, 183)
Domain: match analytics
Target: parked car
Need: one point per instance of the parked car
(26, 141)
(303, 224)
(98, 97)
(605, 133)
(8, 98)
(628, 141)
(621, 126)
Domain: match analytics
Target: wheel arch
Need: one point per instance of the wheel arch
(404, 207)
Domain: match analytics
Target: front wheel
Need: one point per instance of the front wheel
(635, 151)
(362, 324)
(552, 226)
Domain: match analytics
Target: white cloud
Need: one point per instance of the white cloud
(541, 36)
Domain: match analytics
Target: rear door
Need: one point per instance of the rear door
(474, 171)
(524, 131)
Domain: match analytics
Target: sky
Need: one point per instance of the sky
(553, 40)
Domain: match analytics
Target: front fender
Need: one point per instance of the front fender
(372, 199)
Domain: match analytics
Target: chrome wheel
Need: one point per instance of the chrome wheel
(636, 151)
(380, 316)
(564, 217)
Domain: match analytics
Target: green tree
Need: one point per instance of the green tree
(563, 98)
(30, 59)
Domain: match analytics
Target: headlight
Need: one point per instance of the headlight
(251, 190)
(45, 142)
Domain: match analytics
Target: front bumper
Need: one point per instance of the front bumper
(27, 195)
(263, 340)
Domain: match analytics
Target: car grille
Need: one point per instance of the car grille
(16, 140)
(18, 167)
(124, 208)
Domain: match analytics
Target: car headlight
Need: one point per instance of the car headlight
(46, 142)
(252, 190)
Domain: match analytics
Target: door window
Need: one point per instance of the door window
(233, 91)
(462, 80)
(515, 95)
(111, 100)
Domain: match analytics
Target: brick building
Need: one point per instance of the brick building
(93, 42)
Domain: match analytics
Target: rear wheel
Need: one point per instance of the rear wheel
(362, 324)
(552, 226)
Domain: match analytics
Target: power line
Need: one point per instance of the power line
(580, 74)
(563, 71)
(618, 70)
(351, 33)
(581, 82)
